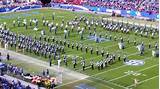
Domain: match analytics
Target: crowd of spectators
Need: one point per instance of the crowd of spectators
(15, 4)
(7, 84)
(42, 81)
(14, 69)
(139, 5)
(150, 6)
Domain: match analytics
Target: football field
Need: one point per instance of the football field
(116, 75)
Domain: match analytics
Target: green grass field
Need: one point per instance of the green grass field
(117, 75)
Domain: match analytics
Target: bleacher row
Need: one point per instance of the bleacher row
(7, 9)
(7, 84)
(125, 13)
(147, 9)
(149, 6)
(138, 5)
(13, 77)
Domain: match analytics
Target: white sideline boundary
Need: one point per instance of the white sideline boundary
(69, 83)
(87, 77)
(135, 71)
(144, 81)
(101, 84)
(125, 75)
(114, 52)
(93, 81)
(111, 83)
(104, 71)
(96, 57)
(115, 68)
(97, 78)
(41, 63)
(110, 69)
(80, 87)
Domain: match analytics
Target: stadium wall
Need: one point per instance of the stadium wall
(125, 13)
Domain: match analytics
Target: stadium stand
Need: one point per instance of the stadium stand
(17, 72)
(149, 6)
(5, 84)
(146, 7)
(139, 5)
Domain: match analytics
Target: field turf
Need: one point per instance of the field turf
(117, 75)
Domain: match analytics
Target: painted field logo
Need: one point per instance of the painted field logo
(134, 62)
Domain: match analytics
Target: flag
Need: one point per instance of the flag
(59, 62)
(6, 46)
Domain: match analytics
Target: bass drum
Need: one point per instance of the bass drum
(45, 1)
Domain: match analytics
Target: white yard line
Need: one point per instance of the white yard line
(144, 81)
(109, 70)
(115, 68)
(119, 66)
(105, 85)
(135, 71)
(132, 54)
(108, 87)
(25, 58)
(10, 78)
(28, 59)
(81, 87)
(101, 84)
(84, 77)
(107, 47)
(69, 83)
(98, 56)
(110, 83)
(85, 68)
(123, 76)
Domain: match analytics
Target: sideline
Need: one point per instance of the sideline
(9, 78)
(28, 59)
(144, 81)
